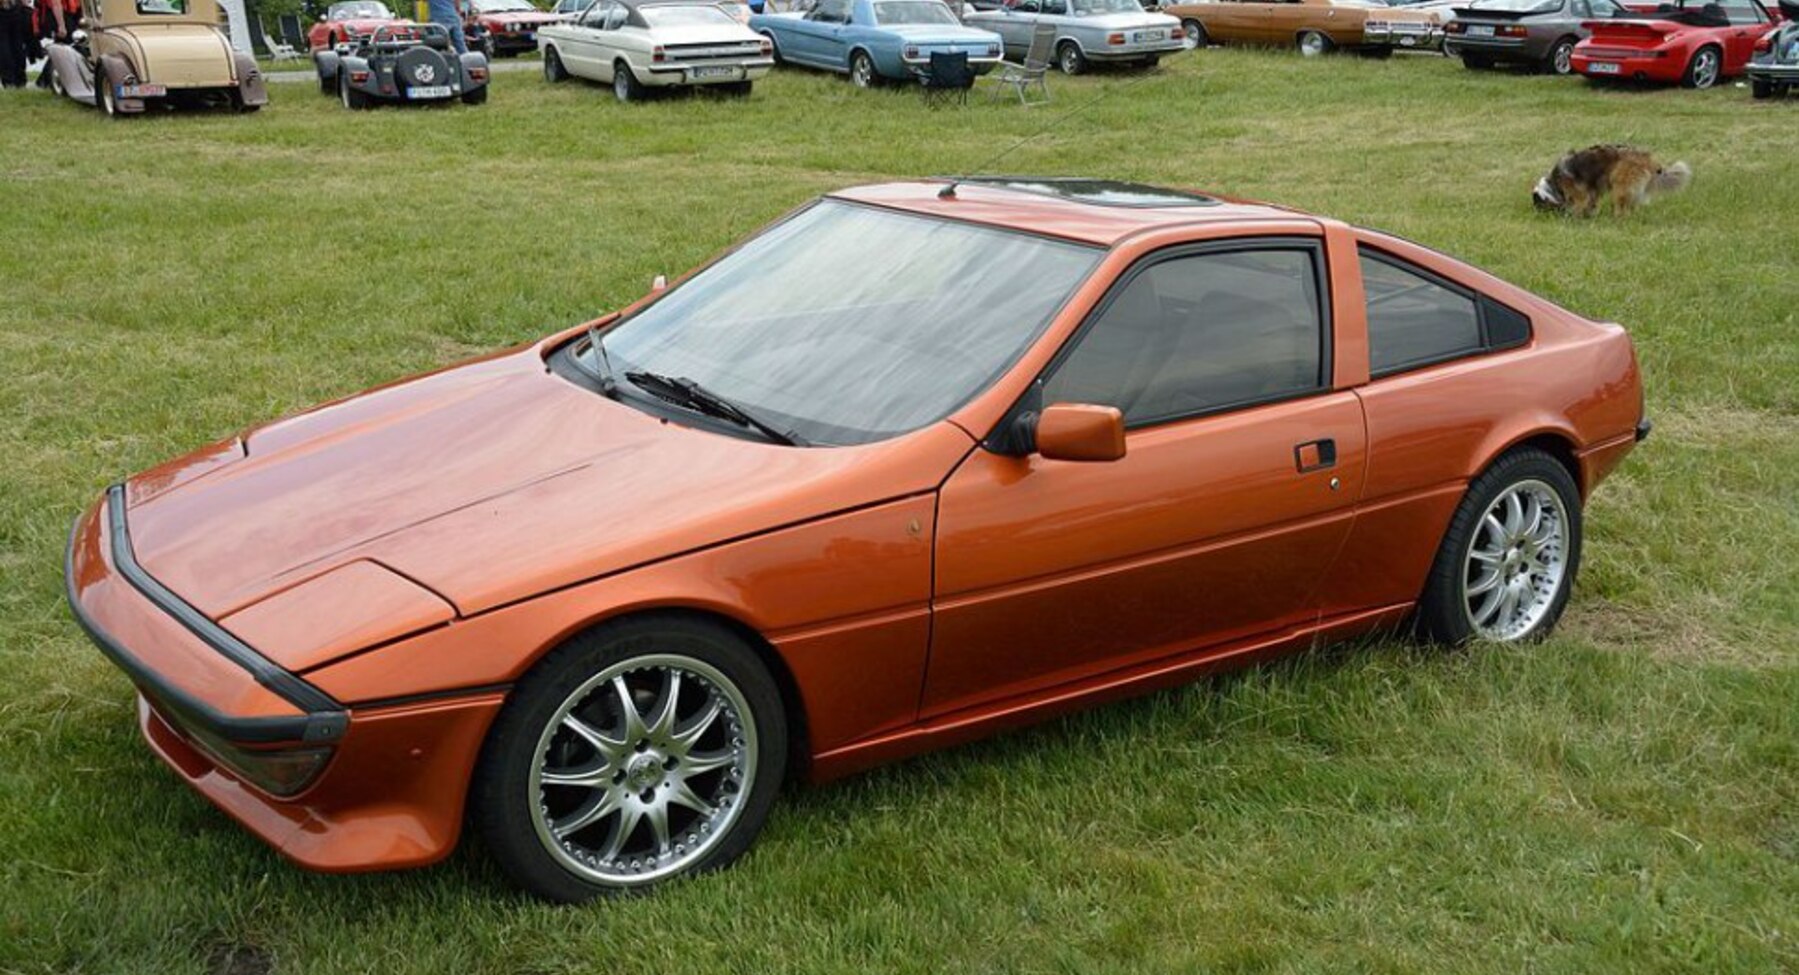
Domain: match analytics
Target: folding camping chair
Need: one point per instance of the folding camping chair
(948, 76)
(1033, 72)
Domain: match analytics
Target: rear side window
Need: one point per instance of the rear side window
(1416, 318)
(1199, 333)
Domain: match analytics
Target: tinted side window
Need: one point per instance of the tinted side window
(1413, 318)
(1193, 334)
(1741, 12)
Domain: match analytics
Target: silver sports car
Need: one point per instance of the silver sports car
(1537, 32)
(1087, 31)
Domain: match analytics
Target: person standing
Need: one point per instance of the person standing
(15, 42)
(56, 21)
(444, 12)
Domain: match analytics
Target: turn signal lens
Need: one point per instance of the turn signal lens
(1177, 34)
(1114, 38)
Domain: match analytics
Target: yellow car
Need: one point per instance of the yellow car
(139, 53)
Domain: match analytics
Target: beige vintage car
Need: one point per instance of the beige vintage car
(140, 53)
(1313, 26)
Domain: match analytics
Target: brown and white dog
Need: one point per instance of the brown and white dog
(1582, 178)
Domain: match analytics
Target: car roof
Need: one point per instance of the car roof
(1093, 211)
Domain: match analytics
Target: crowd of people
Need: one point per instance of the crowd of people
(25, 27)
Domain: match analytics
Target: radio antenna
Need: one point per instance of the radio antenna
(948, 192)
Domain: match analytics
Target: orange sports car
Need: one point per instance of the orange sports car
(917, 463)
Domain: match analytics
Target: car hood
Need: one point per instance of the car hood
(180, 54)
(488, 483)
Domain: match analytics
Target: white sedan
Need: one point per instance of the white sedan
(636, 45)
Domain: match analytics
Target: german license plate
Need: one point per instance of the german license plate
(1479, 30)
(715, 72)
(1143, 36)
(428, 91)
(143, 91)
(1602, 67)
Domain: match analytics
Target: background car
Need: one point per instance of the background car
(1087, 31)
(1774, 68)
(875, 40)
(506, 28)
(639, 45)
(407, 63)
(348, 21)
(1312, 26)
(1542, 33)
(137, 54)
(1157, 434)
(1695, 43)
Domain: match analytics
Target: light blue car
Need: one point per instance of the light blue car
(875, 40)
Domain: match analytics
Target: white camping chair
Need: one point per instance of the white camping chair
(1031, 74)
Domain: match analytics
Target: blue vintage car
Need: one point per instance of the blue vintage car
(875, 40)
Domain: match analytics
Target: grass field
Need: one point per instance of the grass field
(1622, 798)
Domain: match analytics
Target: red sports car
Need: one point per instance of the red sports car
(348, 21)
(1040, 444)
(503, 28)
(1693, 42)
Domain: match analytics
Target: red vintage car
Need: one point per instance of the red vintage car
(1692, 42)
(503, 28)
(348, 21)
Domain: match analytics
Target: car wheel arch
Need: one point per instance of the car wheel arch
(1557, 441)
(792, 702)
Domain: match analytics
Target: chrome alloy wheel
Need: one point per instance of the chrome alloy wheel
(1515, 561)
(642, 769)
(1705, 68)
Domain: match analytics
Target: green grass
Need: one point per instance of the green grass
(1622, 798)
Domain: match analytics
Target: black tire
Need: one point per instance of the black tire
(475, 96)
(327, 86)
(1759, 89)
(1560, 59)
(1070, 59)
(106, 98)
(625, 86)
(506, 806)
(1196, 31)
(1312, 43)
(1443, 616)
(352, 99)
(1476, 62)
(862, 70)
(1697, 74)
(553, 71)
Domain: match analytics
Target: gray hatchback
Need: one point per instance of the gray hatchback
(1537, 32)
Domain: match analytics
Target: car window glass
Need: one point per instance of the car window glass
(616, 16)
(1055, 8)
(1741, 12)
(1193, 334)
(1025, 6)
(1414, 319)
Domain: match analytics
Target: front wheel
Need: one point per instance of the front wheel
(862, 70)
(1507, 563)
(1070, 59)
(553, 71)
(1194, 34)
(1312, 43)
(636, 753)
(1702, 72)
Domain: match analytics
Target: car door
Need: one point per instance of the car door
(1236, 490)
(583, 52)
(1014, 26)
(1748, 22)
(1229, 21)
(830, 19)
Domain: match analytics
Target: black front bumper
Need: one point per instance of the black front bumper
(324, 719)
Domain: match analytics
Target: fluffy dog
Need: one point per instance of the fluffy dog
(1582, 178)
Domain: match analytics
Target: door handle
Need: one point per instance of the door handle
(1315, 455)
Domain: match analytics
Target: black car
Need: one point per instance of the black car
(402, 63)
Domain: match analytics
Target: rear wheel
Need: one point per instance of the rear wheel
(625, 86)
(475, 96)
(1195, 34)
(353, 100)
(1561, 57)
(1507, 562)
(1312, 43)
(553, 71)
(640, 752)
(1070, 59)
(109, 96)
(1702, 72)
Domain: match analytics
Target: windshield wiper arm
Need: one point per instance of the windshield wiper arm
(601, 370)
(685, 392)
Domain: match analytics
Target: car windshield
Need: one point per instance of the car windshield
(685, 15)
(1518, 6)
(913, 12)
(367, 10)
(501, 6)
(1087, 8)
(849, 324)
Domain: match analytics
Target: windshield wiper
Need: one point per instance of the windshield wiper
(685, 392)
(601, 371)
